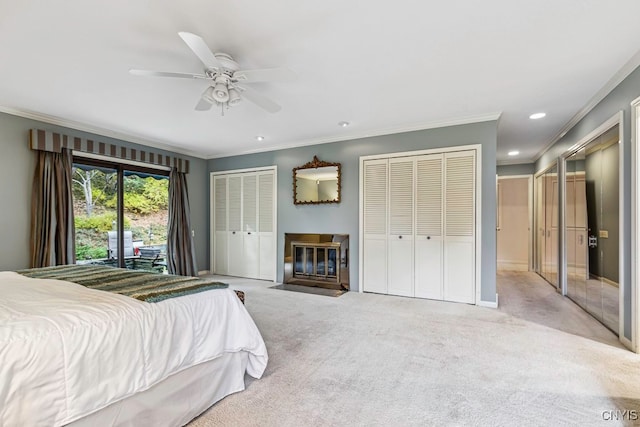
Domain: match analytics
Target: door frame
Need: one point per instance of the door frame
(212, 211)
(478, 212)
(529, 212)
(635, 225)
(616, 120)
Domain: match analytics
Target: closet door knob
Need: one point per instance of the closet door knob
(428, 237)
(399, 237)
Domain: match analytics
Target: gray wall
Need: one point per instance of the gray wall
(16, 174)
(519, 169)
(619, 99)
(343, 217)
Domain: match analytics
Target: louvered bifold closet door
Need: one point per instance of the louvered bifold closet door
(266, 225)
(401, 226)
(220, 225)
(375, 207)
(459, 224)
(234, 234)
(251, 240)
(429, 225)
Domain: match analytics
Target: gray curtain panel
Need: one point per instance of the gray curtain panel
(52, 227)
(181, 253)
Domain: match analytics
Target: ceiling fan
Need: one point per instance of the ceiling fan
(226, 80)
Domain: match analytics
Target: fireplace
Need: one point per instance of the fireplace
(320, 260)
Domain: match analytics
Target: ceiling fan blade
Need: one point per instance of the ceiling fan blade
(203, 105)
(149, 73)
(200, 48)
(205, 102)
(260, 100)
(265, 75)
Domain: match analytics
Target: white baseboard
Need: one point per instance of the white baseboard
(489, 304)
(513, 265)
(627, 343)
(203, 272)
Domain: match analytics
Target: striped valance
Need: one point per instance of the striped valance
(51, 141)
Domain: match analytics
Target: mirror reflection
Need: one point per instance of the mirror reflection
(592, 223)
(547, 224)
(317, 182)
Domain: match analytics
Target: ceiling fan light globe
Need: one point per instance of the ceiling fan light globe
(208, 95)
(234, 98)
(220, 92)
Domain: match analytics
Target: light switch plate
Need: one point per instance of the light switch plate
(604, 234)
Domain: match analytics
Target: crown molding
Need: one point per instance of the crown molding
(614, 81)
(367, 134)
(514, 162)
(58, 121)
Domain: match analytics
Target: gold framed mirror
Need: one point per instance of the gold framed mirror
(316, 182)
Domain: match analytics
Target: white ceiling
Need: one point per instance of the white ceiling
(382, 66)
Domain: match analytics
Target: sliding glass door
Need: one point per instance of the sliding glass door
(121, 214)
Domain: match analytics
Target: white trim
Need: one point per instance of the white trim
(613, 82)
(621, 191)
(478, 227)
(212, 228)
(234, 171)
(489, 304)
(58, 121)
(203, 272)
(635, 224)
(82, 154)
(367, 134)
(509, 162)
(512, 266)
(275, 225)
(360, 224)
(627, 343)
(478, 206)
(421, 152)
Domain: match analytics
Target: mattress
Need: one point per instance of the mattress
(67, 351)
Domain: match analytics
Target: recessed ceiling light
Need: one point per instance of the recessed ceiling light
(343, 124)
(259, 138)
(536, 116)
(513, 153)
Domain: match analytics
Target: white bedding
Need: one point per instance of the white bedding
(67, 351)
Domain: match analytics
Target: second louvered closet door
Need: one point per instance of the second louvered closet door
(429, 224)
(401, 207)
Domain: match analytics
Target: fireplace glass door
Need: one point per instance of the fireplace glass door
(316, 260)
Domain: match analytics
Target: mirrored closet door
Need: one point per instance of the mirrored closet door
(592, 227)
(547, 225)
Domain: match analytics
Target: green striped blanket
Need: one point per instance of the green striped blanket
(141, 285)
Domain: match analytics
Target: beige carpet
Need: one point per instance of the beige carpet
(375, 360)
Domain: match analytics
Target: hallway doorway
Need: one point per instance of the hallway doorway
(514, 223)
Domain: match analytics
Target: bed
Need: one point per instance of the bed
(74, 354)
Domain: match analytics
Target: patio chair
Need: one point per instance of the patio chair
(112, 243)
